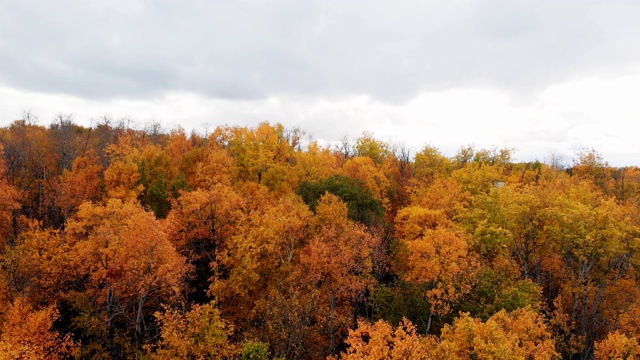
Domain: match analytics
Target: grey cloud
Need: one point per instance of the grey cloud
(251, 49)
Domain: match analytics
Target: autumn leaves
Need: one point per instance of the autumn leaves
(254, 243)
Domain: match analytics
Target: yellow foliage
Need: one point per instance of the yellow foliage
(121, 180)
(198, 334)
(519, 335)
(441, 259)
(617, 346)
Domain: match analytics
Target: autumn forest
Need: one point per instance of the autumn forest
(260, 243)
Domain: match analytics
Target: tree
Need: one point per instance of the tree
(207, 166)
(314, 164)
(381, 341)
(443, 194)
(260, 259)
(596, 240)
(197, 334)
(361, 204)
(371, 176)
(367, 146)
(121, 180)
(430, 164)
(32, 168)
(257, 151)
(590, 166)
(9, 197)
(200, 224)
(128, 260)
(337, 262)
(521, 334)
(80, 184)
(441, 261)
(27, 333)
(37, 267)
(158, 178)
(617, 346)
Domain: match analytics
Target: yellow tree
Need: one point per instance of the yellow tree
(177, 146)
(205, 165)
(617, 346)
(524, 218)
(200, 224)
(413, 222)
(261, 257)
(371, 175)
(121, 180)
(128, 260)
(37, 266)
(258, 151)
(430, 165)
(314, 164)
(197, 334)
(443, 194)
(521, 334)
(590, 166)
(440, 260)
(337, 263)
(597, 243)
(367, 146)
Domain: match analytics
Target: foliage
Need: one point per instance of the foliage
(361, 204)
(617, 346)
(28, 333)
(255, 350)
(252, 241)
(197, 334)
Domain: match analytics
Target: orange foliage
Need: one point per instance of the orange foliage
(80, 184)
(28, 334)
(9, 197)
(380, 341)
(337, 262)
(475, 232)
(617, 346)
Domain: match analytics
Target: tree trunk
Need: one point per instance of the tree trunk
(332, 327)
(139, 319)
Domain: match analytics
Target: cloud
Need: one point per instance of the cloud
(541, 77)
(257, 49)
(594, 112)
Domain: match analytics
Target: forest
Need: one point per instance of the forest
(260, 243)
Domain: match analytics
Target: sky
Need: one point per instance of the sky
(541, 77)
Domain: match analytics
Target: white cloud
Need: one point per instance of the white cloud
(592, 112)
(255, 49)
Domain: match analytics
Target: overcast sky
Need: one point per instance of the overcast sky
(539, 76)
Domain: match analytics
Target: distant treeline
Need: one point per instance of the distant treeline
(257, 242)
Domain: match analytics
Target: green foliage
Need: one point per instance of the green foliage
(497, 288)
(255, 350)
(361, 205)
(368, 146)
(401, 300)
(430, 164)
(518, 296)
